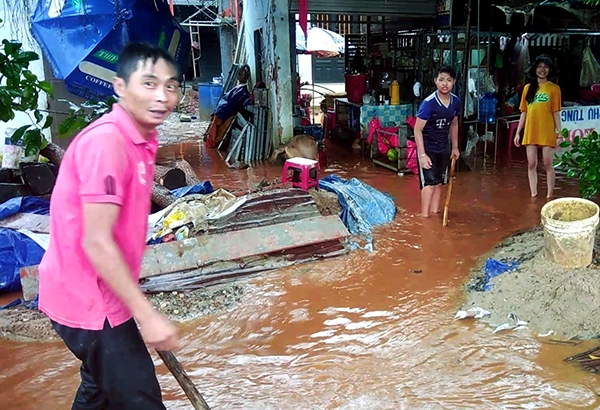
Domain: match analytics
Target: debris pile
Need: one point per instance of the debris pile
(189, 103)
(517, 282)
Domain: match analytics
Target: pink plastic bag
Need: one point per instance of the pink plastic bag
(386, 139)
(411, 121)
(374, 125)
(411, 157)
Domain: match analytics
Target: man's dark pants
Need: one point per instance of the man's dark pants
(117, 372)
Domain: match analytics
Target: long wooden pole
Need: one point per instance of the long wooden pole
(184, 380)
(465, 77)
(447, 205)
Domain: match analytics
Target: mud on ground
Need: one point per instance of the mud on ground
(173, 131)
(549, 297)
(23, 324)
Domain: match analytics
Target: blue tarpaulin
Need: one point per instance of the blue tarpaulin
(16, 249)
(494, 268)
(32, 304)
(24, 204)
(203, 188)
(363, 207)
(82, 39)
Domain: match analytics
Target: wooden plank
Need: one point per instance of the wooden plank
(268, 207)
(33, 222)
(196, 252)
(288, 243)
(223, 272)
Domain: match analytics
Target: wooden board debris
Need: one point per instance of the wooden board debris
(224, 256)
(196, 252)
(223, 272)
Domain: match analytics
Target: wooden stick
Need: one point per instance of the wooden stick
(447, 205)
(583, 354)
(184, 380)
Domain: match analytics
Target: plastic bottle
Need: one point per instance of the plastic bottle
(395, 93)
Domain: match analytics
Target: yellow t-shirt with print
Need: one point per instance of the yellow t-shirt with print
(539, 124)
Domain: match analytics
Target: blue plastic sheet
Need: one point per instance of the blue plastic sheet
(204, 188)
(494, 268)
(32, 304)
(18, 250)
(363, 207)
(24, 204)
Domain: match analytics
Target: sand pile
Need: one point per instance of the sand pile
(547, 296)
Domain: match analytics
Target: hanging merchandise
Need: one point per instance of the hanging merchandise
(523, 58)
(417, 89)
(487, 108)
(303, 15)
(590, 69)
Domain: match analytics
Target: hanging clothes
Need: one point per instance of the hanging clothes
(590, 69)
(523, 60)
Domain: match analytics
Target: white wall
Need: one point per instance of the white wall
(272, 16)
(305, 67)
(18, 29)
(254, 18)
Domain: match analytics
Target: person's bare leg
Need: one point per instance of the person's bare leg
(532, 162)
(435, 199)
(548, 157)
(426, 197)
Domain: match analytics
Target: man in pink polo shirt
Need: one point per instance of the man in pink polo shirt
(99, 217)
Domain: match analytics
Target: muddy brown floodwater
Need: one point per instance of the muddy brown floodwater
(366, 331)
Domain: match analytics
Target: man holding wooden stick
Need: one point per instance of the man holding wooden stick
(437, 118)
(98, 224)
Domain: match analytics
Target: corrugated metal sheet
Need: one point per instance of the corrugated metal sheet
(369, 7)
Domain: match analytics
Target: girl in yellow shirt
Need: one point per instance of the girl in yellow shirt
(540, 115)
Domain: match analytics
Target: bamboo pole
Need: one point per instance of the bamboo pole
(184, 380)
(447, 205)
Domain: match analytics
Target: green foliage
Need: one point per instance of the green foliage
(80, 116)
(582, 161)
(19, 92)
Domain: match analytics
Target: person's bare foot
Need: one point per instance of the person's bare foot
(424, 215)
(435, 212)
(534, 195)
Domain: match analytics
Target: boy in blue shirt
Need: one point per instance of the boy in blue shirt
(437, 118)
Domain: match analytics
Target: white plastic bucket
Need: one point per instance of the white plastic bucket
(569, 231)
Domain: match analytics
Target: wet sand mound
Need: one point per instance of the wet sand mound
(547, 296)
(21, 323)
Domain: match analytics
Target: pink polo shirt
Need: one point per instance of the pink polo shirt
(108, 162)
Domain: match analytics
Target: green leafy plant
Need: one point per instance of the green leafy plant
(80, 116)
(19, 92)
(582, 161)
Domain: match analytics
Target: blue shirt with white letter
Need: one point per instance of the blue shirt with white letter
(438, 118)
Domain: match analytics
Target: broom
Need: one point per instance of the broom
(447, 205)
(588, 360)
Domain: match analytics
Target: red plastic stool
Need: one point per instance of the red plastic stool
(512, 131)
(305, 173)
